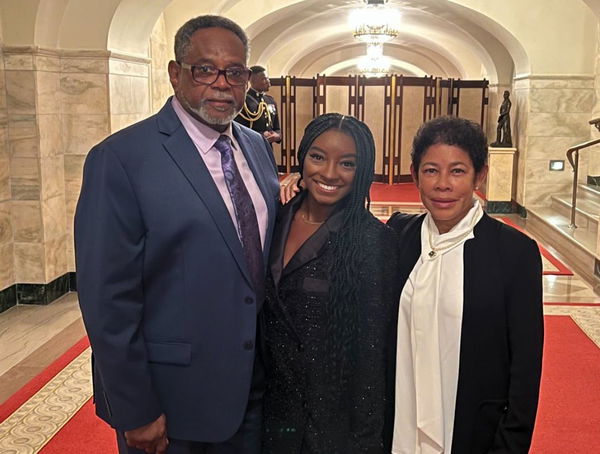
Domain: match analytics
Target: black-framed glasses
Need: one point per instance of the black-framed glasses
(208, 74)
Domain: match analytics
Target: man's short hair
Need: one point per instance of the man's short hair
(185, 32)
(256, 69)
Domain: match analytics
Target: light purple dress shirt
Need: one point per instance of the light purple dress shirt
(204, 138)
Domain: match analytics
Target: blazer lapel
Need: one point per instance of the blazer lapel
(185, 154)
(311, 248)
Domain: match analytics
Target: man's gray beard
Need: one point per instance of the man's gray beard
(207, 118)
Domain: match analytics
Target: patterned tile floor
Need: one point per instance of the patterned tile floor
(32, 337)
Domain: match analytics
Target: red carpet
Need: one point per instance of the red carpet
(399, 193)
(561, 268)
(22, 395)
(568, 416)
(84, 433)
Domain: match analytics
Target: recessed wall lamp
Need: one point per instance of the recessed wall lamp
(557, 165)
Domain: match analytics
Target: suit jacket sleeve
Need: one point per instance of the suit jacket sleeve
(525, 336)
(109, 245)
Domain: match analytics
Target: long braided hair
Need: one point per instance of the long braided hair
(348, 255)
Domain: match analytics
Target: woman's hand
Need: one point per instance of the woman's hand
(289, 187)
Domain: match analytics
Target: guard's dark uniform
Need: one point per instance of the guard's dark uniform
(259, 113)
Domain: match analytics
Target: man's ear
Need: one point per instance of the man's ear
(174, 73)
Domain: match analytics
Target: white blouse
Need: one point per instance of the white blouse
(429, 330)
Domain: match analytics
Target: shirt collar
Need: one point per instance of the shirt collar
(202, 135)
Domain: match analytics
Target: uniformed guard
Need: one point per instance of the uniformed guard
(260, 110)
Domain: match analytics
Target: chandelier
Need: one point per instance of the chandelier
(375, 23)
(374, 64)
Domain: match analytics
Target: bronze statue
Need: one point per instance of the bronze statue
(503, 135)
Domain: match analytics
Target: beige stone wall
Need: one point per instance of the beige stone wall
(129, 86)
(56, 109)
(85, 122)
(160, 54)
(594, 153)
(6, 234)
(552, 114)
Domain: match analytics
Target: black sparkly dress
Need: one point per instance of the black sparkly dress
(308, 409)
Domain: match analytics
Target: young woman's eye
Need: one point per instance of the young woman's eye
(349, 164)
(315, 156)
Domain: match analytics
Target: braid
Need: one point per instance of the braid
(343, 301)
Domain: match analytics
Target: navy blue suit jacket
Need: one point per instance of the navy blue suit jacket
(164, 290)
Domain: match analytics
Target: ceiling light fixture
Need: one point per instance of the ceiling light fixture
(374, 64)
(376, 22)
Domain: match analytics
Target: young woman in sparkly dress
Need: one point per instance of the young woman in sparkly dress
(331, 304)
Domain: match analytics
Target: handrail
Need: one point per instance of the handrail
(581, 146)
(575, 164)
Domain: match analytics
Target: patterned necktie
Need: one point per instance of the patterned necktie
(245, 215)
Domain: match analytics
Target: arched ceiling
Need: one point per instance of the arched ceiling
(454, 38)
(298, 34)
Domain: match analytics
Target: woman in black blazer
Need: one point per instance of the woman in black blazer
(470, 324)
(331, 303)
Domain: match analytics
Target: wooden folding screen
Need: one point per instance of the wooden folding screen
(394, 107)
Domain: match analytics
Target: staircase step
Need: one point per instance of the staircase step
(587, 210)
(577, 246)
(588, 191)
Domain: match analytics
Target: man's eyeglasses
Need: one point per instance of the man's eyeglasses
(208, 74)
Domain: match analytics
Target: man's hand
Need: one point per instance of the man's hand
(151, 438)
(271, 136)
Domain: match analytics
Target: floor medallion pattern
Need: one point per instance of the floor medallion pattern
(29, 428)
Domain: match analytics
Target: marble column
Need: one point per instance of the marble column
(160, 55)
(6, 234)
(552, 114)
(85, 121)
(129, 85)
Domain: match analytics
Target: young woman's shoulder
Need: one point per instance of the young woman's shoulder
(373, 225)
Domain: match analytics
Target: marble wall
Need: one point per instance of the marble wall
(594, 154)
(552, 114)
(7, 274)
(56, 109)
(85, 121)
(160, 55)
(54, 106)
(129, 87)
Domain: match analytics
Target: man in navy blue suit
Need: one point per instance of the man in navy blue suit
(172, 231)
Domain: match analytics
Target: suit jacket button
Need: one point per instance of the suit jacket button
(249, 300)
(248, 345)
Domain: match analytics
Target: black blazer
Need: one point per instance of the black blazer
(308, 408)
(501, 338)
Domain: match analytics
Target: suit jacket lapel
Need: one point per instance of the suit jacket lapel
(185, 154)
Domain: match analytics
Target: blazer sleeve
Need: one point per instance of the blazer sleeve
(373, 390)
(109, 247)
(526, 337)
